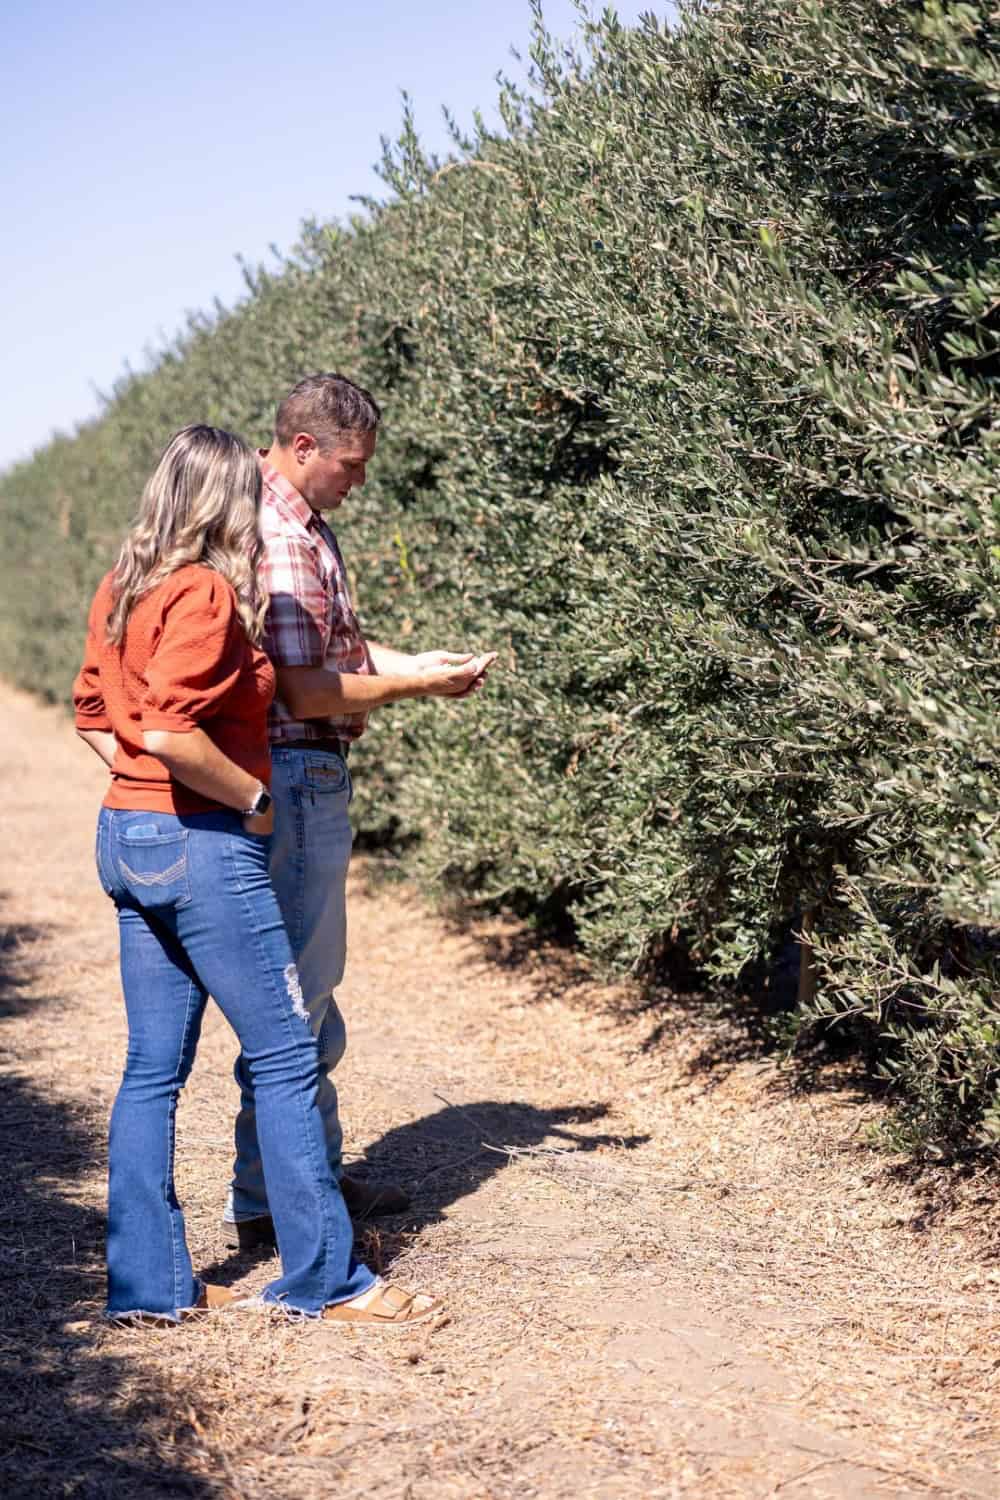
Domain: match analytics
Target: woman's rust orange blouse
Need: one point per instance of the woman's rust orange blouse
(186, 663)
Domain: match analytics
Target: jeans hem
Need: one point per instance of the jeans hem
(138, 1315)
(280, 1304)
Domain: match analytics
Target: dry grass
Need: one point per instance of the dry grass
(668, 1273)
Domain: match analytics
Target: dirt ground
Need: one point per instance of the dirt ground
(669, 1271)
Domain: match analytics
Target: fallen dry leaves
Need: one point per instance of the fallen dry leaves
(667, 1272)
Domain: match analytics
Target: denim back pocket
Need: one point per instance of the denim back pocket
(104, 872)
(326, 776)
(154, 866)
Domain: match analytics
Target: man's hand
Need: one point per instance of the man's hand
(453, 676)
(425, 661)
(434, 663)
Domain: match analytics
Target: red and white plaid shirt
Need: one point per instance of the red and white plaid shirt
(310, 620)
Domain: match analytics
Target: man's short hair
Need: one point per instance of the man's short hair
(327, 407)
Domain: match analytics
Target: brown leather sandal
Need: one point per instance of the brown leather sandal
(390, 1307)
(211, 1299)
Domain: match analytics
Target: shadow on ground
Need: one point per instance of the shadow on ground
(720, 1026)
(77, 1420)
(449, 1154)
(723, 1026)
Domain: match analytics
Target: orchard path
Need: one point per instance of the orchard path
(668, 1274)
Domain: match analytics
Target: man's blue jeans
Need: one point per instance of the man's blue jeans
(310, 854)
(197, 915)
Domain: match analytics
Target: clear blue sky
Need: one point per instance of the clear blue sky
(146, 145)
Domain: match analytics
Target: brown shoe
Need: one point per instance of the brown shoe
(363, 1202)
(367, 1202)
(389, 1307)
(251, 1234)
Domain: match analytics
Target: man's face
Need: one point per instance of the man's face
(328, 478)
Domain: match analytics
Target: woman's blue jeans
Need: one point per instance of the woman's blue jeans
(197, 915)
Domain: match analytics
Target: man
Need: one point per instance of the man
(329, 679)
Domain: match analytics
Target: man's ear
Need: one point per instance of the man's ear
(304, 445)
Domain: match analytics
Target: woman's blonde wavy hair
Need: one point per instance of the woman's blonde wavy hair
(200, 505)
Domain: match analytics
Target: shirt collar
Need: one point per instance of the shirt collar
(300, 508)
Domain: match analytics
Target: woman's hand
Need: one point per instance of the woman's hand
(194, 759)
(102, 742)
(259, 823)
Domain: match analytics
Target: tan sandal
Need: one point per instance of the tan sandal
(388, 1307)
(211, 1299)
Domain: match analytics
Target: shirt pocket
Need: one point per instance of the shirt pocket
(154, 866)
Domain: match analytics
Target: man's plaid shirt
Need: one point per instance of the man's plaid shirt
(310, 621)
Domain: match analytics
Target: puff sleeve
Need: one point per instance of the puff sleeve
(88, 696)
(198, 653)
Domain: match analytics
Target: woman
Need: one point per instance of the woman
(173, 695)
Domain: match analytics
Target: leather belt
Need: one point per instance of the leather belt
(327, 743)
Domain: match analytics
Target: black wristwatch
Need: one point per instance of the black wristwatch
(259, 805)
